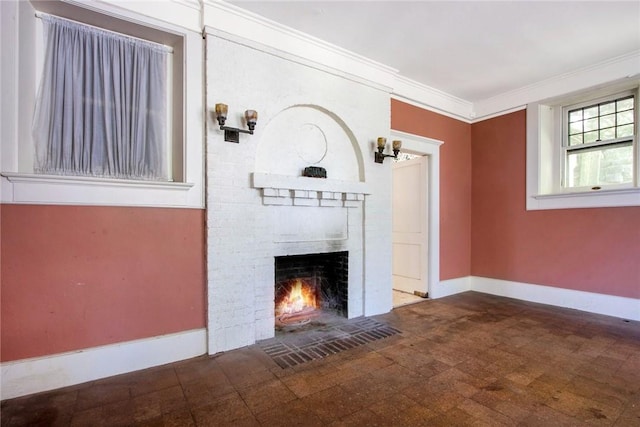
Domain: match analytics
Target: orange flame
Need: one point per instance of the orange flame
(300, 296)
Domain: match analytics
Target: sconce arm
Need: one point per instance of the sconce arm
(228, 128)
(380, 156)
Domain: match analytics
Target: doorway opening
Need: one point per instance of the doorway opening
(409, 210)
(415, 224)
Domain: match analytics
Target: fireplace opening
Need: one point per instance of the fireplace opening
(308, 286)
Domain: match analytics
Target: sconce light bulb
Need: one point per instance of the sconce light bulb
(382, 142)
(251, 115)
(252, 118)
(397, 145)
(221, 110)
(221, 113)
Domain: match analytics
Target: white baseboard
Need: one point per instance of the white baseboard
(610, 305)
(450, 287)
(28, 376)
(38, 374)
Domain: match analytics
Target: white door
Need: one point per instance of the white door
(410, 225)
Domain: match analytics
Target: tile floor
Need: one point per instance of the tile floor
(465, 360)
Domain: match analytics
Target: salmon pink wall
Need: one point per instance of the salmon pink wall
(75, 277)
(455, 181)
(593, 250)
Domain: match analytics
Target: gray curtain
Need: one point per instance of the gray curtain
(101, 106)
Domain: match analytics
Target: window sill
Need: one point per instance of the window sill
(586, 199)
(53, 189)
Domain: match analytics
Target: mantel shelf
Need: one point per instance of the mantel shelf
(286, 190)
(288, 182)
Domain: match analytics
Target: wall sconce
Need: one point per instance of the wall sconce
(382, 143)
(233, 134)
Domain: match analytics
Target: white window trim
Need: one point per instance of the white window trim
(545, 161)
(74, 190)
(564, 137)
(18, 183)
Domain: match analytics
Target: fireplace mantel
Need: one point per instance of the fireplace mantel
(259, 206)
(306, 191)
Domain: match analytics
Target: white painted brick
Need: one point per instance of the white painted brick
(305, 202)
(264, 330)
(276, 201)
(265, 313)
(246, 225)
(269, 192)
(329, 195)
(331, 203)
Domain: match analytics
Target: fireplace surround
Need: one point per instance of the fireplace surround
(259, 204)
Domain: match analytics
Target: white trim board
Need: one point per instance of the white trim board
(428, 98)
(28, 376)
(444, 288)
(23, 377)
(624, 67)
(22, 188)
(428, 147)
(221, 16)
(239, 22)
(609, 305)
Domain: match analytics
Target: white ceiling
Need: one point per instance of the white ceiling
(473, 50)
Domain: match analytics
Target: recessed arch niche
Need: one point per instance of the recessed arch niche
(309, 135)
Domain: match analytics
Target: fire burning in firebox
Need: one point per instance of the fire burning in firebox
(297, 305)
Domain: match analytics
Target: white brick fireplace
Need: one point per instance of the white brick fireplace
(259, 206)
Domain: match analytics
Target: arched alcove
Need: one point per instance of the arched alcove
(309, 135)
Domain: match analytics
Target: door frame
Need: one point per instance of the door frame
(428, 147)
(410, 197)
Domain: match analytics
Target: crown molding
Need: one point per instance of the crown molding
(232, 22)
(239, 25)
(498, 114)
(239, 22)
(618, 69)
(193, 4)
(346, 74)
(429, 98)
(624, 67)
(178, 13)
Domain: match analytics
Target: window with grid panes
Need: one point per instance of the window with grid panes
(598, 143)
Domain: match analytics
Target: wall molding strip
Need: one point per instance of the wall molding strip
(34, 375)
(38, 374)
(619, 68)
(449, 287)
(609, 305)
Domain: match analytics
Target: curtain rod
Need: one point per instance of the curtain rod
(167, 48)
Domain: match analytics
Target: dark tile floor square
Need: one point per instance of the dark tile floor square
(466, 360)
